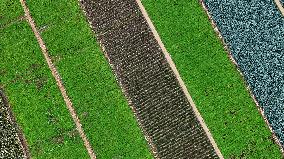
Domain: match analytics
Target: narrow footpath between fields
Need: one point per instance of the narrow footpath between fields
(106, 118)
(58, 81)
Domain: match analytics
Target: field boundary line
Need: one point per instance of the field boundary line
(280, 7)
(230, 56)
(58, 80)
(11, 22)
(181, 83)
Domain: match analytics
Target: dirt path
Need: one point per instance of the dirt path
(279, 5)
(58, 80)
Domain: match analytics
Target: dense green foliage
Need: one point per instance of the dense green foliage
(36, 101)
(105, 115)
(10, 10)
(213, 81)
(34, 97)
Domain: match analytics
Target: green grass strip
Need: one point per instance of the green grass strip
(10, 11)
(103, 110)
(34, 97)
(213, 81)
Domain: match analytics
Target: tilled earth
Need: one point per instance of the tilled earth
(254, 32)
(10, 147)
(150, 85)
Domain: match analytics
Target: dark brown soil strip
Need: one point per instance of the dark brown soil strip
(149, 83)
(12, 140)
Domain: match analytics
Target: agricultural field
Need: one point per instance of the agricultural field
(146, 78)
(256, 43)
(34, 97)
(212, 79)
(141, 79)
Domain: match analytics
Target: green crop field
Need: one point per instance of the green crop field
(215, 84)
(213, 81)
(39, 108)
(34, 97)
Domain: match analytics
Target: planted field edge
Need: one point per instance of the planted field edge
(229, 54)
(59, 83)
(20, 134)
(151, 145)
